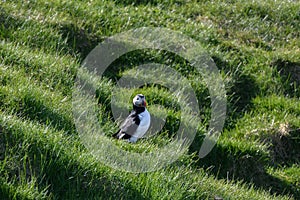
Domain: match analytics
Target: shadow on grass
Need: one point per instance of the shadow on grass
(36, 110)
(285, 149)
(9, 191)
(290, 76)
(228, 162)
(63, 175)
(79, 40)
(136, 2)
(29, 32)
(240, 90)
(147, 2)
(5, 191)
(8, 24)
(231, 163)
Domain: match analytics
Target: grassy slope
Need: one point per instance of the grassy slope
(256, 47)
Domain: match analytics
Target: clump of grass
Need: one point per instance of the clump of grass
(255, 47)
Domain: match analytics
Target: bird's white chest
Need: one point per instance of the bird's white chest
(144, 124)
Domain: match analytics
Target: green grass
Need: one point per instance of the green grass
(255, 45)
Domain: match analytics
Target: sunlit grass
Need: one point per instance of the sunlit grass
(254, 45)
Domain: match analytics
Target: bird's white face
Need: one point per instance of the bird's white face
(139, 100)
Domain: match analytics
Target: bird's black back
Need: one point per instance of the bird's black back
(130, 124)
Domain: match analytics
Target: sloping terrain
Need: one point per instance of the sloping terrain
(256, 47)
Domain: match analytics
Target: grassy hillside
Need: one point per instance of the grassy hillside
(256, 47)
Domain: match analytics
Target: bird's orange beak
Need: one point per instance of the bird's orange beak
(145, 103)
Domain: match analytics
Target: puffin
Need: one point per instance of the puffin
(137, 123)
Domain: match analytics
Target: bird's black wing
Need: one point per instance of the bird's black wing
(129, 126)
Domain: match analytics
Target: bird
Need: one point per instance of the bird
(137, 123)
